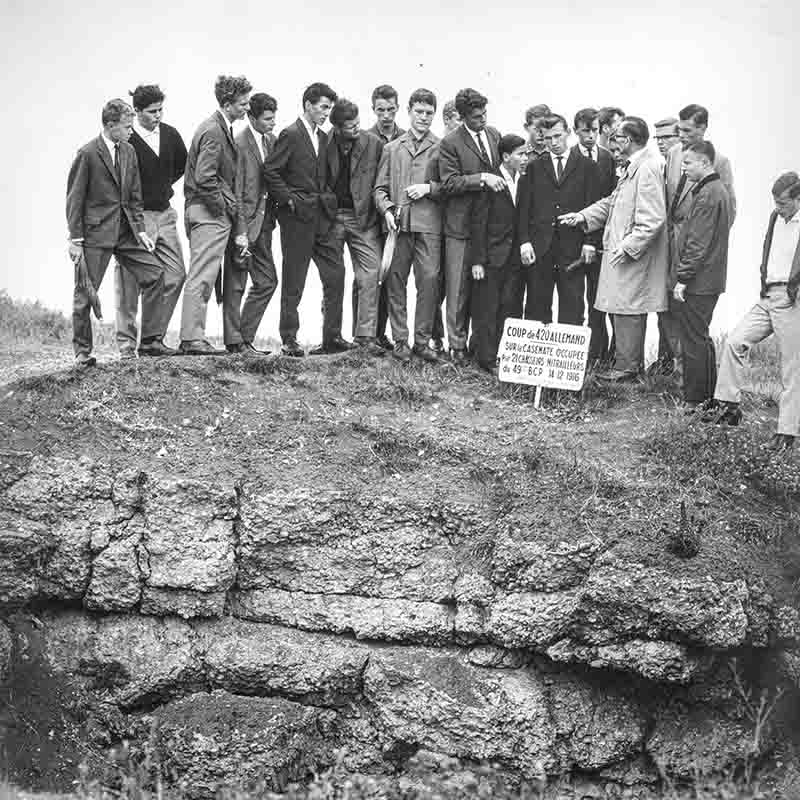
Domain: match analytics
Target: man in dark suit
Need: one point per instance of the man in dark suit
(296, 172)
(353, 159)
(468, 161)
(161, 154)
(212, 213)
(494, 251)
(587, 129)
(385, 104)
(700, 271)
(254, 143)
(105, 218)
(561, 182)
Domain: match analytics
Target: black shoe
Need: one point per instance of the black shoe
(383, 341)
(458, 356)
(781, 442)
(437, 345)
(156, 347)
(243, 349)
(251, 350)
(722, 413)
(83, 360)
(369, 345)
(617, 376)
(199, 347)
(339, 345)
(425, 353)
(402, 352)
(292, 348)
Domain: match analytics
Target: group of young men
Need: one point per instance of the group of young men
(493, 225)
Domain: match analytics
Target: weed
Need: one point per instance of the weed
(683, 539)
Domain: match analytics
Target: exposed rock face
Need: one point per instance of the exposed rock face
(263, 629)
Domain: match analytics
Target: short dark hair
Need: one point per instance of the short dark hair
(385, 92)
(343, 110)
(467, 100)
(553, 120)
(115, 110)
(228, 88)
(261, 102)
(697, 114)
(586, 116)
(537, 112)
(146, 94)
(422, 96)
(314, 93)
(635, 128)
(509, 143)
(790, 181)
(607, 113)
(449, 110)
(704, 149)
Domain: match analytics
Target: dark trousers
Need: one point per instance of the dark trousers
(488, 313)
(599, 341)
(697, 349)
(240, 322)
(145, 267)
(545, 275)
(300, 242)
(438, 317)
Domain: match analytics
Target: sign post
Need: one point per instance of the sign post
(539, 354)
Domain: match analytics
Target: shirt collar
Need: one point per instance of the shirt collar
(586, 151)
(143, 132)
(311, 132)
(507, 175)
(109, 144)
(259, 137)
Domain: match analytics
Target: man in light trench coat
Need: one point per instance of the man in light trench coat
(633, 275)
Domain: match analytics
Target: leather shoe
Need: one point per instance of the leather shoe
(338, 345)
(722, 413)
(369, 345)
(199, 347)
(292, 348)
(458, 356)
(156, 347)
(85, 360)
(253, 351)
(437, 345)
(781, 442)
(617, 376)
(425, 353)
(385, 343)
(402, 352)
(244, 349)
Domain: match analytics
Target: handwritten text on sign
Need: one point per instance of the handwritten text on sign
(544, 355)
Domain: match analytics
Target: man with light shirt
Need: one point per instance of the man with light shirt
(240, 321)
(161, 154)
(407, 190)
(666, 135)
(494, 252)
(778, 312)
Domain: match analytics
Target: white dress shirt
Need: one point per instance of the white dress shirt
(564, 156)
(112, 149)
(512, 183)
(785, 236)
(259, 137)
(151, 138)
(312, 132)
(481, 137)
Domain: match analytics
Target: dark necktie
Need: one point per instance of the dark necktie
(559, 168)
(482, 148)
(589, 154)
(117, 166)
(265, 144)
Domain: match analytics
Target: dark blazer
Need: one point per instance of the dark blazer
(460, 166)
(493, 230)
(607, 182)
(364, 160)
(294, 172)
(794, 272)
(542, 198)
(703, 242)
(97, 199)
(211, 170)
(250, 186)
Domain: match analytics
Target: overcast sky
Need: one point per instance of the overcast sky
(63, 61)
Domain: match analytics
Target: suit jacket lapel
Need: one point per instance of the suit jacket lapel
(226, 128)
(301, 127)
(569, 164)
(494, 149)
(547, 164)
(356, 153)
(333, 160)
(470, 142)
(106, 158)
(253, 145)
